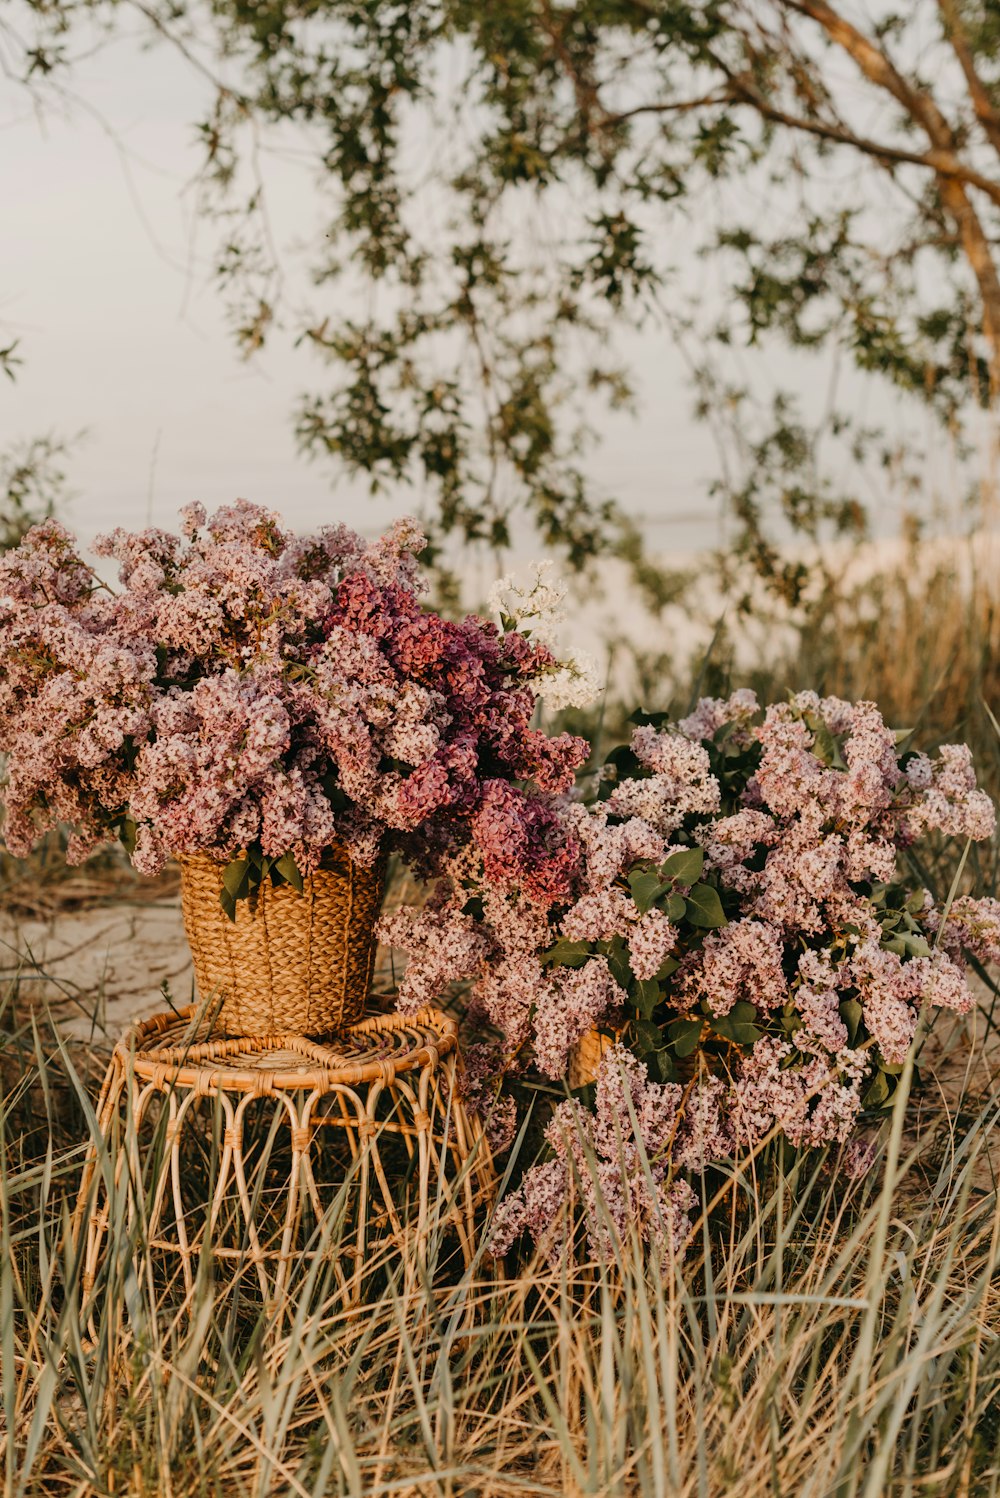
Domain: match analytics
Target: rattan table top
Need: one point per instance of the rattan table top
(181, 1049)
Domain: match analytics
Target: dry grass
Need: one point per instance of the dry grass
(44, 886)
(820, 1337)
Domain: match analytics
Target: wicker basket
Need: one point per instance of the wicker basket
(290, 963)
(585, 1057)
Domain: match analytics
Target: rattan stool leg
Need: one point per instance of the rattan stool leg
(273, 1203)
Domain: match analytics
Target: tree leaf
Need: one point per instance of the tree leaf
(825, 746)
(704, 908)
(877, 1093)
(618, 966)
(661, 1066)
(647, 1036)
(851, 1013)
(676, 908)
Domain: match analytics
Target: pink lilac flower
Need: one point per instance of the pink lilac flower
(446, 944)
(813, 1104)
(798, 858)
(947, 798)
(706, 1134)
(889, 991)
(574, 1001)
(479, 1084)
(615, 1163)
(730, 841)
(250, 685)
(712, 713)
(650, 942)
(742, 961)
(535, 1208)
(599, 916)
(972, 926)
(683, 769)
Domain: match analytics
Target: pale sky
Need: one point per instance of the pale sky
(124, 337)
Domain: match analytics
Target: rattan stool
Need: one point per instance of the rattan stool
(244, 1146)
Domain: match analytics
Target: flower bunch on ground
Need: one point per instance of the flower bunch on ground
(258, 696)
(620, 1160)
(739, 915)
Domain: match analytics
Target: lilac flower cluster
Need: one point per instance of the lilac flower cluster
(249, 687)
(616, 1163)
(736, 909)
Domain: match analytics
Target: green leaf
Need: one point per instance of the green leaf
(645, 887)
(684, 867)
(851, 1013)
(647, 1037)
(666, 969)
(127, 834)
(895, 944)
(289, 871)
(236, 878)
(334, 794)
(877, 1093)
(740, 1032)
(676, 908)
(683, 1035)
(228, 903)
(915, 903)
(743, 1010)
(618, 966)
(704, 908)
(661, 1066)
(915, 945)
(646, 996)
(825, 746)
(567, 954)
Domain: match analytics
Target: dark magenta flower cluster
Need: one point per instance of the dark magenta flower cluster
(250, 688)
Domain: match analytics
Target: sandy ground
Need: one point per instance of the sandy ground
(98, 969)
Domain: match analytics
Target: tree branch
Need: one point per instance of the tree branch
(878, 69)
(987, 116)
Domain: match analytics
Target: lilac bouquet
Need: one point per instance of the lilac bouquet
(741, 922)
(259, 696)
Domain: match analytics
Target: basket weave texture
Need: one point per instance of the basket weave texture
(586, 1056)
(289, 962)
